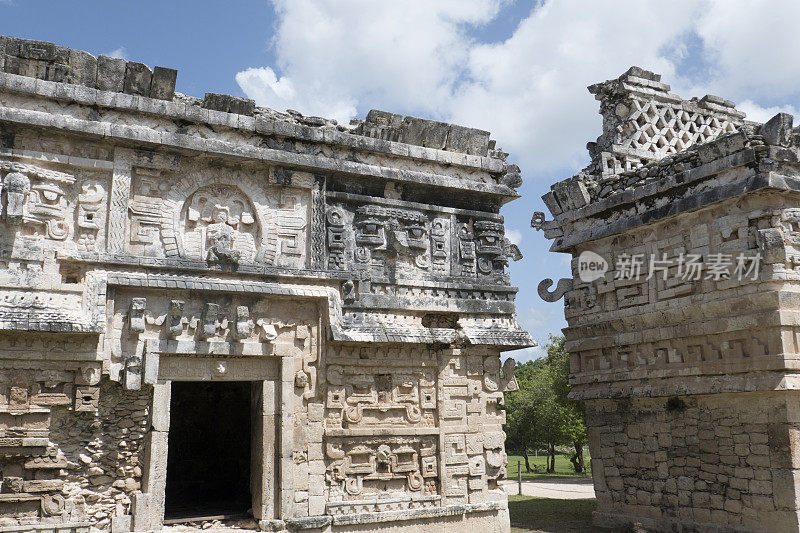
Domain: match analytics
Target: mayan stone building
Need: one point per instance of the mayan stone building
(688, 368)
(212, 308)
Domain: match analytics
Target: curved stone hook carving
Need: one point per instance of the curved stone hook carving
(564, 285)
(511, 250)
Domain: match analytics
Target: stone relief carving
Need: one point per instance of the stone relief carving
(219, 225)
(243, 325)
(397, 396)
(400, 235)
(290, 229)
(336, 240)
(90, 219)
(47, 208)
(225, 219)
(149, 329)
(146, 209)
(16, 187)
(360, 467)
(210, 321)
(35, 198)
(720, 347)
(383, 240)
(46, 205)
(466, 249)
(389, 394)
(175, 319)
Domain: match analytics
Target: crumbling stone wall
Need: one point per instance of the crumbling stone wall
(103, 453)
(91, 441)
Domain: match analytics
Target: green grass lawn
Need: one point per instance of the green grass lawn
(563, 467)
(549, 515)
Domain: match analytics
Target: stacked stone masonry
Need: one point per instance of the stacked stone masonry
(690, 382)
(354, 276)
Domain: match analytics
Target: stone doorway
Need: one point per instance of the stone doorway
(209, 458)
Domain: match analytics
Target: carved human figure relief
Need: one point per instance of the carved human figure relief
(219, 225)
(228, 218)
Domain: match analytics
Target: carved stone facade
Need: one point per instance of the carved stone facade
(351, 280)
(689, 378)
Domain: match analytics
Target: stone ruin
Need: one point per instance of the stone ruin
(690, 382)
(213, 308)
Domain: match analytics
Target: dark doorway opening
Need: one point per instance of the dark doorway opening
(208, 463)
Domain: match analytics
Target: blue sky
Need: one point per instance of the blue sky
(518, 69)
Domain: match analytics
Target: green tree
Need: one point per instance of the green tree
(521, 407)
(540, 414)
(574, 414)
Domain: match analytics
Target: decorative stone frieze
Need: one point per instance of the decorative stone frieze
(351, 280)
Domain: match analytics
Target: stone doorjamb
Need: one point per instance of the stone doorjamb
(272, 495)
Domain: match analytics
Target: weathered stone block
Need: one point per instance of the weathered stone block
(163, 85)
(82, 68)
(14, 65)
(39, 50)
(778, 129)
(424, 132)
(383, 118)
(229, 104)
(467, 140)
(110, 73)
(138, 78)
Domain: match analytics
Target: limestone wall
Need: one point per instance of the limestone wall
(719, 461)
(104, 453)
(356, 275)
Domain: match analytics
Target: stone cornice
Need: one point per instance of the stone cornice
(172, 111)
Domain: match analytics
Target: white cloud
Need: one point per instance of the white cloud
(530, 90)
(514, 235)
(264, 86)
(341, 58)
(334, 58)
(118, 53)
(750, 43)
(758, 113)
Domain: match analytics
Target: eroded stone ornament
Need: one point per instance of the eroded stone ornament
(220, 225)
(16, 187)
